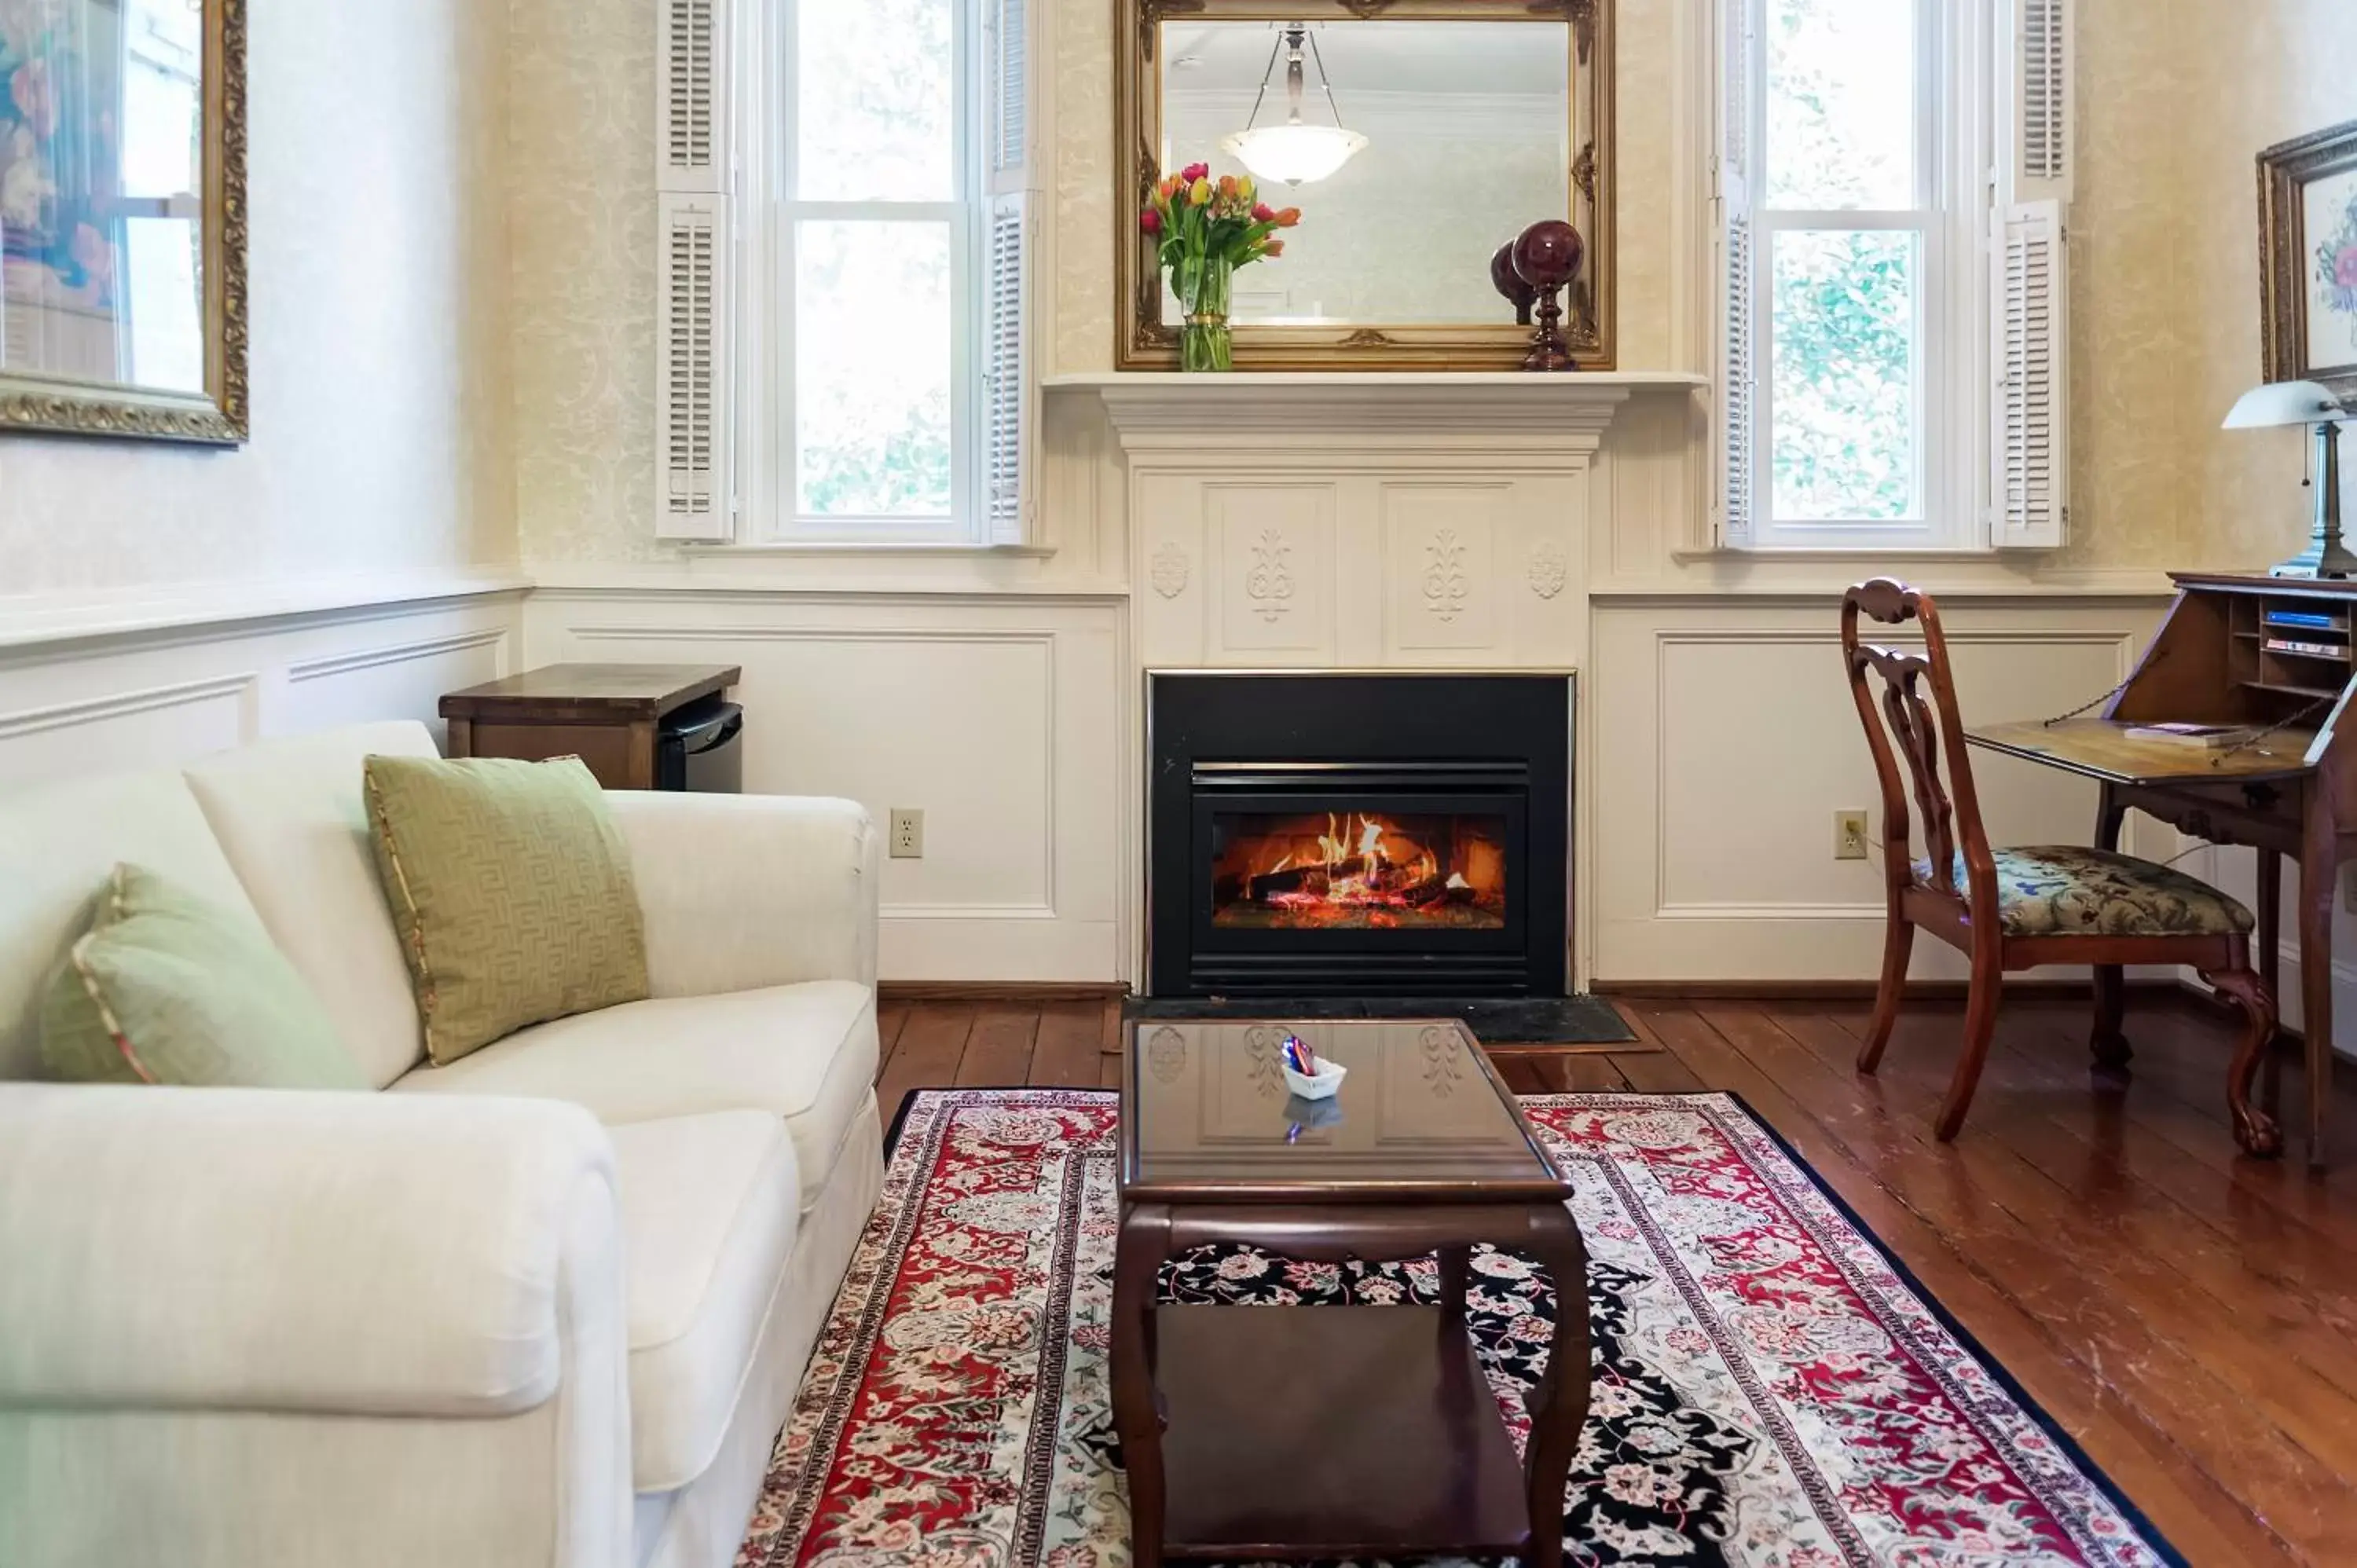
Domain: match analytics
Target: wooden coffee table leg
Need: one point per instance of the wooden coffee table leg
(1559, 1406)
(1138, 1253)
(1456, 1275)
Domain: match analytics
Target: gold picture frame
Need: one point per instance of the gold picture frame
(2308, 272)
(38, 401)
(1143, 341)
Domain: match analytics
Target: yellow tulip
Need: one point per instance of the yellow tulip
(1200, 193)
(1246, 190)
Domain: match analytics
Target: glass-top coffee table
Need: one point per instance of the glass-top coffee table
(1321, 1432)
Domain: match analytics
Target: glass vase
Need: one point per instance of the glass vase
(1202, 288)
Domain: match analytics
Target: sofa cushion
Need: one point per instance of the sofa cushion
(510, 889)
(288, 813)
(57, 846)
(806, 1053)
(709, 1206)
(166, 988)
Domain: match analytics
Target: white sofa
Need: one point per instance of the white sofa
(546, 1306)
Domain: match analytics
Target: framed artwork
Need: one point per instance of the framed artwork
(2308, 236)
(123, 307)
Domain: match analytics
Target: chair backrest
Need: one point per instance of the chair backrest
(1923, 730)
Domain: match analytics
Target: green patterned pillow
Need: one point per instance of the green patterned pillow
(511, 889)
(167, 988)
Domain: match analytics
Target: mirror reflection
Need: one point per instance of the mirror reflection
(1377, 131)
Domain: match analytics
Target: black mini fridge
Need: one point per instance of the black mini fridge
(700, 749)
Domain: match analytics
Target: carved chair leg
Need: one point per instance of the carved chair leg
(2106, 1043)
(1898, 943)
(2255, 1129)
(1980, 1025)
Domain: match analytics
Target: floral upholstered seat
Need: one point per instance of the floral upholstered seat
(2067, 890)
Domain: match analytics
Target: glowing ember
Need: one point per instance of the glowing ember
(1353, 869)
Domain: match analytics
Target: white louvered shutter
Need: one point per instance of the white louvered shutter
(1008, 23)
(695, 371)
(2029, 294)
(2036, 113)
(1010, 390)
(1737, 368)
(1010, 383)
(2029, 277)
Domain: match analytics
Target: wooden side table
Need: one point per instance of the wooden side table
(606, 714)
(1313, 1433)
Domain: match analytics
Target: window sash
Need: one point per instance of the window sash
(1922, 527)
(775, 416)
(1948, 224)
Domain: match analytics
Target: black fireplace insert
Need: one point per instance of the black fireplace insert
(1358, 835)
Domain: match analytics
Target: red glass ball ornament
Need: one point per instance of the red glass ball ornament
(1548, 254)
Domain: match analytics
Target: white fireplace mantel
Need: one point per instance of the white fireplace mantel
(1156, 410)
(1403, 520)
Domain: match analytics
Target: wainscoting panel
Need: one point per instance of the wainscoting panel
(1723, 740)
(112, 703)
(1000, 717)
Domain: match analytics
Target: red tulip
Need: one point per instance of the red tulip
(1150, 221)
(1263, 213)
(1194, 172)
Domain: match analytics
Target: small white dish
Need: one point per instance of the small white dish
(1322, 1086)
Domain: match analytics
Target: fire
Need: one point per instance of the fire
(1364, 870)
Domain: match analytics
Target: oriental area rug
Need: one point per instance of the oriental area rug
(1770, 1388)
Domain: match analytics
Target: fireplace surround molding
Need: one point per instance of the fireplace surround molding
(1382, 522)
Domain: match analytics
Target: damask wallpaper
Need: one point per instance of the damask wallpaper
(2165, 295)
(380, 353)
(2176, 98)
(582, 207)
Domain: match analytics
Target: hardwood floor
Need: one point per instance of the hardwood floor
(2188, 1315)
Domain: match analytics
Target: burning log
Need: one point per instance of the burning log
(1430, 890)
(1315, 878)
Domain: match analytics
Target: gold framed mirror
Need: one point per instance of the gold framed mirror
(123, 223)
(1472, 119)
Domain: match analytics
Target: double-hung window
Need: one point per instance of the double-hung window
(845, 271)
(1890, 184)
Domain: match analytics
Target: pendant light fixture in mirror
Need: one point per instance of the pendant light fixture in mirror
(1293, 153)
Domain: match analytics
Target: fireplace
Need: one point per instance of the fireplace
(1336, 834)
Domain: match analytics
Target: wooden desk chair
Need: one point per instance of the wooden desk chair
(2015, 908)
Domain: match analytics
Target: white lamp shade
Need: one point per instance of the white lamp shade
(2286, 402)
(1296, 154)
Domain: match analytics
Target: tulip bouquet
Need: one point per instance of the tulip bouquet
(1204, 229)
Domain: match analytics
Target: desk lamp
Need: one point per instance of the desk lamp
(2306, 403)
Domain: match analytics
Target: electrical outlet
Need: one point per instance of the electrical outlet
(1849, 835)
(907, 833)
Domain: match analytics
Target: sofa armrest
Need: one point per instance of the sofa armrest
(254, 1250)
(742, 891)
